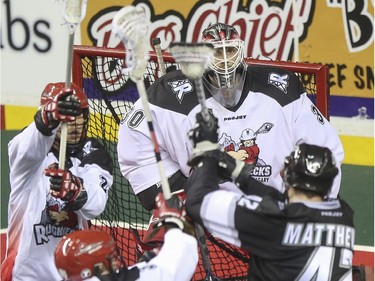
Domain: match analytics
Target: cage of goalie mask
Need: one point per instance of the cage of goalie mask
(48, 94)
(228, 53)
(85, 253)
(311, 168)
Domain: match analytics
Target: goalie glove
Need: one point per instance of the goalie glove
(204, 135)
(63, 106)
(229, 168)
(66, 186)
(171, 213)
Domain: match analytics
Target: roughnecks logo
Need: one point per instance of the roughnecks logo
(55, 221)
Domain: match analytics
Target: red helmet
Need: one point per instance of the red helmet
(79, 254)
(52, 89)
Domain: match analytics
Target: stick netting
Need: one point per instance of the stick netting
(111, 94)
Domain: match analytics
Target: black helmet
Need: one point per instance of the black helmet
(310, 167)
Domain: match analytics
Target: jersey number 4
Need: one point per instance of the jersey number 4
(322, 262)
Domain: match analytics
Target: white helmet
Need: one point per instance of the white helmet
(228, 53)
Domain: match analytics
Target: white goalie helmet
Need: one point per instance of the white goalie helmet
(228, 52)
(225, 77)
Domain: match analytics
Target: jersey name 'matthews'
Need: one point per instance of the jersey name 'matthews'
(317, 234)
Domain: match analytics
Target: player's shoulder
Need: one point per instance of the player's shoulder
(279, 84)
(173, 91)
(93, 152)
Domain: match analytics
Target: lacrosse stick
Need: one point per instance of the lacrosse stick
(74, 11)
(159, 56)
(193, 60)
(130, 25)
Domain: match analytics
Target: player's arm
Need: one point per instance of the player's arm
(96, 170)
(86, 192)
(177, 259)
(178, 256)
(29, 148)
(210, 165)
(137, 157)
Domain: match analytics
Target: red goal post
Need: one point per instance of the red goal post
(317, 74)
(111, 95)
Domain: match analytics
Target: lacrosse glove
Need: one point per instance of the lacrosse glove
(229, 168)
(67, 187)
(171, 213)
(204, 135)
(62, 106)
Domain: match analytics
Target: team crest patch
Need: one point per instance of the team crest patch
(279, 81)
(181, 88)
(317, 113)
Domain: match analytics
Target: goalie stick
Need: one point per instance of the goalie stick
(130, 25)
(73, 13)
(193, 60)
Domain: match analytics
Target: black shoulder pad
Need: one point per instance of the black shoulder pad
(282, 85)
(174, 91)
(93, 152)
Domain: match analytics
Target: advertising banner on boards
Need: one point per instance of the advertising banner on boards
(338, 33)
(332, 32)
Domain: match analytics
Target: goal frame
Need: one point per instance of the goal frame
(109, 107)
(320, 71)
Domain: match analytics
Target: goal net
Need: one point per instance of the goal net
(111, 95)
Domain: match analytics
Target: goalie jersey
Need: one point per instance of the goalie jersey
(36, 220)
(273, 114)
(296, 241)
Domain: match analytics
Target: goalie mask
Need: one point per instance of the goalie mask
(311, 168)
(77, 130)
(83, 254)
(225, 80)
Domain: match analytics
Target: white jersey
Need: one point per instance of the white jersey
(36, 220)
(176, 261)
(273, 115)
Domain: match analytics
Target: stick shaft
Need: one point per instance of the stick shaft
(164, 181)
(159, 56)
(64, 125)
(201, 237)
(202, 99)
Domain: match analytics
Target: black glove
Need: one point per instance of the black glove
(229, 169)
(204, 135)
(63, 106)
(171, 213)
(66, 186)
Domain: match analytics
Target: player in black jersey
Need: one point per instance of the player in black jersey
(296, 235)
